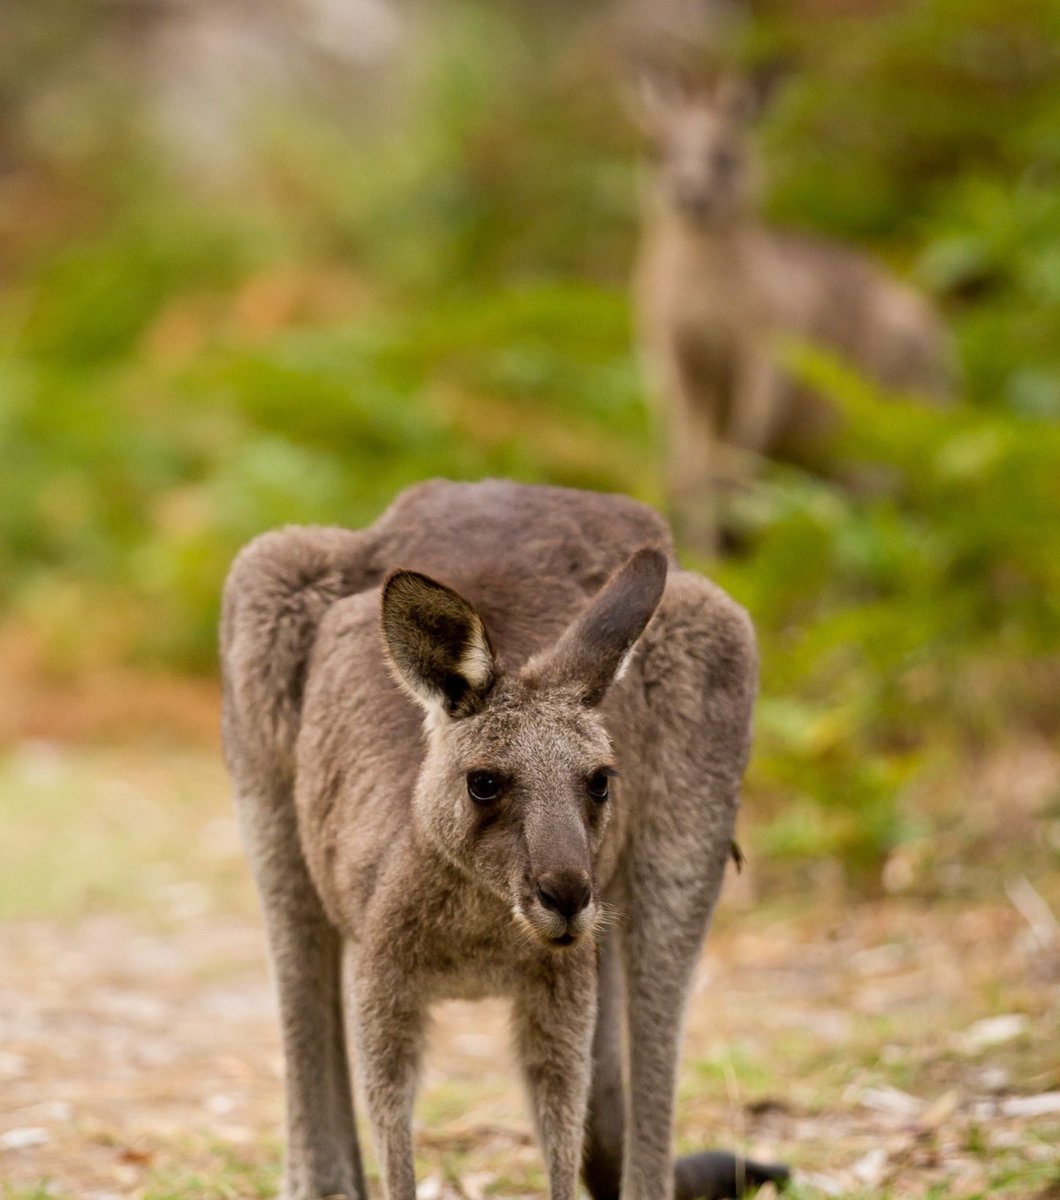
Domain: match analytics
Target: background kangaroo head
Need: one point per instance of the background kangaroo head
(515, 784)
(698, 133)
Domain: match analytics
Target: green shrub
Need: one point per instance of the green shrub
(151, 427)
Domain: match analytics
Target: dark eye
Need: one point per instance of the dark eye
(483, 786)
(598, 785)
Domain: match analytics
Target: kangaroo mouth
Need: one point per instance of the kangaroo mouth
(553, 930)
(696, 208)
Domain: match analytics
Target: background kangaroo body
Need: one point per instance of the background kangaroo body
(356, 842)
(717, 293)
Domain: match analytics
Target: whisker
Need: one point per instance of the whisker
(523, 927)
(608, 917)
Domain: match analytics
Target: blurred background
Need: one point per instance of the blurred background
(272, 262)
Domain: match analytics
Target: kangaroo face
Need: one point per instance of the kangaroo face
(698, 141)
(515, 785)
(518, 797)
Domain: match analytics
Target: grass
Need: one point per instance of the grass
(802, 1011)
(103, 830)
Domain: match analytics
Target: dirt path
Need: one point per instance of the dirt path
(895, 1044)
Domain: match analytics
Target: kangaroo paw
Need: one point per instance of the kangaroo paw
(717, 1175)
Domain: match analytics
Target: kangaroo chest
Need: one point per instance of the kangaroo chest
(454, 941)
(698, 290)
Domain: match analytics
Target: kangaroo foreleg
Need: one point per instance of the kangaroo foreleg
(389, 1024)
(552, 1020)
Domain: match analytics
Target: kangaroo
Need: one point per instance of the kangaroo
(451, 766)
(717, 292)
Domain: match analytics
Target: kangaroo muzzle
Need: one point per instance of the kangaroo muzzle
(562, 907)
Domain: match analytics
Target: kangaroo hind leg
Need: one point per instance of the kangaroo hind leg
(679, 845)
(276, 593)
(710, 1174)
(323, 1157)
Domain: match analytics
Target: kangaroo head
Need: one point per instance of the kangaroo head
(697, 130)
(516, 783)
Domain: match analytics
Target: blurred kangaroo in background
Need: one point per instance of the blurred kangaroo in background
(476, 788)
(717, 292)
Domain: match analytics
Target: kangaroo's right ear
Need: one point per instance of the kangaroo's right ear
(436, 644)
(747, 96)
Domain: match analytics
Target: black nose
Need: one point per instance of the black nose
(693, 200)
(565, 892)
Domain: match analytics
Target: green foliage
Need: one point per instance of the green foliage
(177, 374)
(931, 128)
(903, 628)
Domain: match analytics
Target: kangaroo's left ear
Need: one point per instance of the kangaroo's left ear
(594, 650)
(437, 645)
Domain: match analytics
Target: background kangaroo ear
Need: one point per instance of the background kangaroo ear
(436, 644)
(748, 96)
(594, 650)
(652, 93)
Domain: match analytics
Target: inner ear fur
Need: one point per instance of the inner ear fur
(594, 649)
(436, 644)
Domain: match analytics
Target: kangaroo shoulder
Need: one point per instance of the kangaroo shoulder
(699, 624)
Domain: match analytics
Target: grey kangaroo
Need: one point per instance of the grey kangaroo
(717, 292)
(451, 767)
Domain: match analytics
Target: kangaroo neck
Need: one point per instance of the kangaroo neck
(719, 241)
(725, 236)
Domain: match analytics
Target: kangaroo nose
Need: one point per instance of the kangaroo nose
(565, 892)
(693, 201)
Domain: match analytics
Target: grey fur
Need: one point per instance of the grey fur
(717, 292)
(363, 836)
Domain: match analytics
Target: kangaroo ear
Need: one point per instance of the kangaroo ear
(436, 644)
(594, 650)
(750, 95)
(653, 92)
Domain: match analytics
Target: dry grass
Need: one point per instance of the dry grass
(139, 1054)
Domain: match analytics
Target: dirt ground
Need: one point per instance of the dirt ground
(900, 1047)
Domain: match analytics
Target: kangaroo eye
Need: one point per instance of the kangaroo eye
(598, 785)
(483, 786)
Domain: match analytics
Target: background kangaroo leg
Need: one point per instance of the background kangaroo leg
(758, 410)
(693, 454)
(323, 1158)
